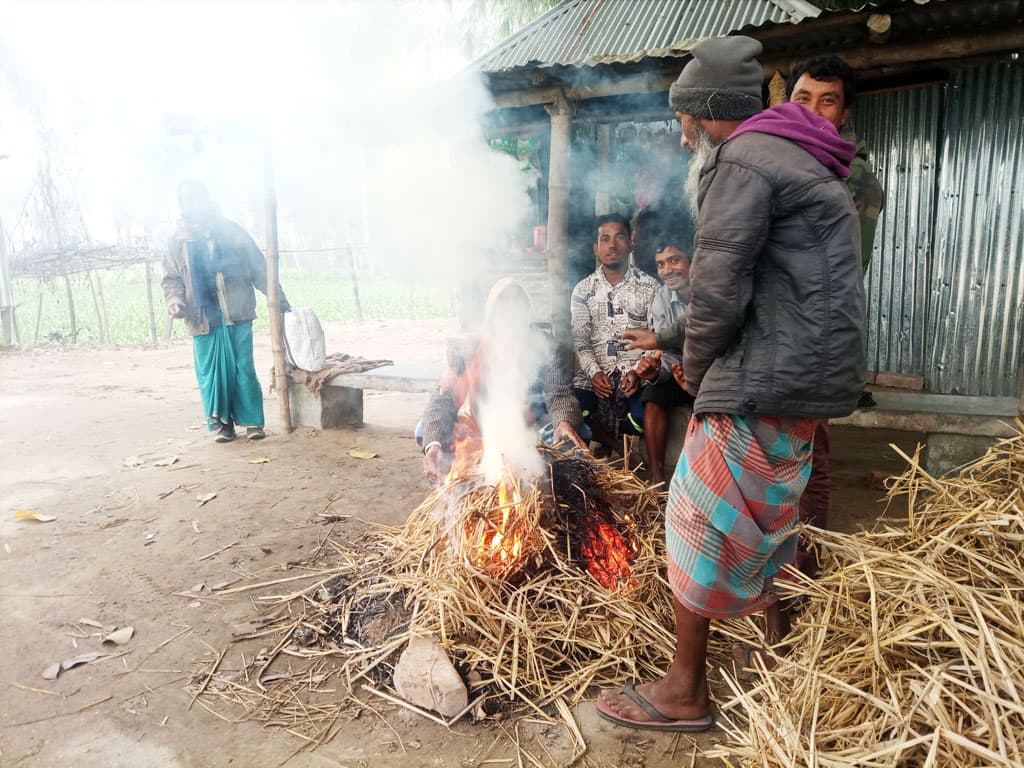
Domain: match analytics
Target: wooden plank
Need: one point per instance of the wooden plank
(393, 378)
(652, 82)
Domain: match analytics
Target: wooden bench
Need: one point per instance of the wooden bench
(340, 403)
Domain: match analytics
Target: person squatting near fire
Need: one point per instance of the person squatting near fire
(827, 86)
(606, 303)
(210, 271)
(774, 343)
(661, 391)
(451, 414)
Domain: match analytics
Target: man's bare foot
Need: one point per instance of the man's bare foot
(663, 695)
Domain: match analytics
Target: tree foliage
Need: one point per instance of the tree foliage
(488, 22)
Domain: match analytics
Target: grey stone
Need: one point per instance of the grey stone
(424, 676)
(335, 407)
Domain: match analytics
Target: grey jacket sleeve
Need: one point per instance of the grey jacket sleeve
(734, 217)
(173, 281)
(561, 403)
(439, 419)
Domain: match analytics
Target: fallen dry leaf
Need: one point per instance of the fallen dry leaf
(31, 514)
(120, 637)
(206, 497)
(85, 658)
(51, 672)
(166, 462)
(358, 453)
(260, 460)
(90, 623)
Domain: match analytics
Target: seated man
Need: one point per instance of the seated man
(605, 304)
(668, 310)
(529, 373)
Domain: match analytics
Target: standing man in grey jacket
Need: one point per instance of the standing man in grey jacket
(773, 344)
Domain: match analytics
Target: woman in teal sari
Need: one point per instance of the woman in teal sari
(211, 271)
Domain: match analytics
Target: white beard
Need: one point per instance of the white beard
(699, 155)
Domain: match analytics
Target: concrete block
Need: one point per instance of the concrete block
(424, 676)
(944, 452)
(335, 408)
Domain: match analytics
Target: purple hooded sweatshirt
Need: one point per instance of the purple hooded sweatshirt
(806, 129)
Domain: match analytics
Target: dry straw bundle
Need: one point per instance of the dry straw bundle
(531, 632)
(909, 650)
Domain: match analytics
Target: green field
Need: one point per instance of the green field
(127, 313)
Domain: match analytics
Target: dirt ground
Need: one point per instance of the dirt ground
(130, 542)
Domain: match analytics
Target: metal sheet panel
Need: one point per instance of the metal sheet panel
(900, 129)
(976, 315)
(588, 32)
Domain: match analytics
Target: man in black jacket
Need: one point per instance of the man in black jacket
(773, 344)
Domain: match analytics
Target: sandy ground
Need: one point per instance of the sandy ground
(130, 542)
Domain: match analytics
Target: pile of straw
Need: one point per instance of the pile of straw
(532, 636)
(909, 651)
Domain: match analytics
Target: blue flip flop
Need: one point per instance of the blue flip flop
(658, 721)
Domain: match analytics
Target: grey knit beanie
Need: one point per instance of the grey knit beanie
(722, 81)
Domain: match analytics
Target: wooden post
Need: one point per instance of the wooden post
(103, 307)
(39, 317)
(7, 319)
(558, 217)
(274, 290)
(96, 306)
(71, 306)
(603, 198)
(149, 300)
(355, 280)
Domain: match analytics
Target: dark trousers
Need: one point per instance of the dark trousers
(815, 500)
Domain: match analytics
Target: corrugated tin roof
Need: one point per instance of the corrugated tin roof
(579, 33)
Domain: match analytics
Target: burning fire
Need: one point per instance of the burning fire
(503, 543)
(498, 527)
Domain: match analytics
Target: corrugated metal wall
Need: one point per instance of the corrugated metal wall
(901, 130)
(946, 286)
(976, 315)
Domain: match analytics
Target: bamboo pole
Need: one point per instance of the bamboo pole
(149, 300)
(274, 290)
(103, 307)
(355, 280)
(558, 216)
(39, 318)
(71, 306)
(96, 306)
(7, 319)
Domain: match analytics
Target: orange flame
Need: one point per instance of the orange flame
(503, 543)
(467, 456)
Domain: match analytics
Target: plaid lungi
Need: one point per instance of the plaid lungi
(732, 513)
